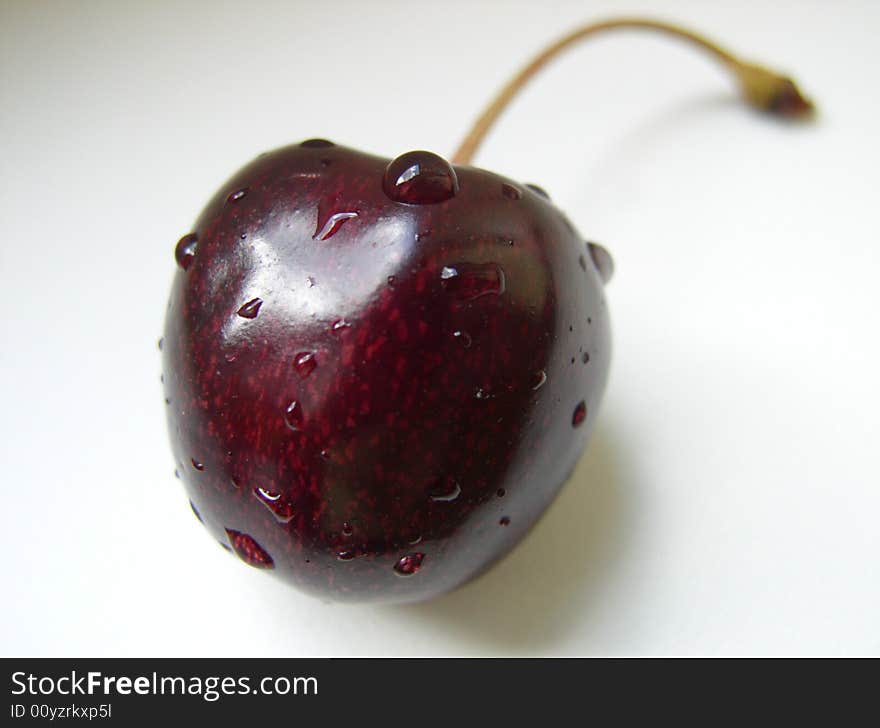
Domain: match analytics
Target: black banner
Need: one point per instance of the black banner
(248, 692)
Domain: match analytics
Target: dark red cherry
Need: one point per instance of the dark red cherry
(420, 178)
(370, 355)
(362, 355)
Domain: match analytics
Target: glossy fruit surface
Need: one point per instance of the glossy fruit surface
(379, 374)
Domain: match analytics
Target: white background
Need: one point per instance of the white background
(730, 499)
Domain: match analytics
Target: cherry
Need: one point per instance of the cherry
(380, 373)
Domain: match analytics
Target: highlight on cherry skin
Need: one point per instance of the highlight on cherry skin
(378, 374)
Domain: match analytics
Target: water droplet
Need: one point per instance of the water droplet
(481, 393)
(538, 379)
(585, 358)
(445, 490)
(325, 454)
(347, 530)
(580, 414)
(339, 325)
(197, 465)
(310, 282)
(293, 416)
(602, 260)
(420, 178)
(326, 162)
(505, 521)
(332, 225)
(237, 195)
(464, 338)
(161, 344)
(415, 539)
(501, 492)
(280, 506)
(582, 262)
(177, 473)
(230, 356)
(251, 308)
(185, 251)
(304, 363)
(539, 190)
(510, 192)
(196, 512)
(469, 281)
(409, 564)
(249, 550)
(345, 555)
(391, 281)
(317, 144)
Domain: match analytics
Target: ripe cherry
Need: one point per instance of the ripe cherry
(380, 373)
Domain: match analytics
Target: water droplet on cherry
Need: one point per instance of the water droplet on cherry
(197, 465)
(251, 308)
(293, 416)
(505, 521)
(539, 190)
(420, 178)
(580, 414)
(237, 195)
(602, 260)
(409, 564)
(304, 363)
(185, 251)
(510, 192)
(277, 503)
(538, 379)
(196, 512)
(332, 225)
(469, 281)
(445, 490)
(317, 144)
(249, 551)
(464, 338)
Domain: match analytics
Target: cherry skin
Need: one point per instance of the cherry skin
(379, 373)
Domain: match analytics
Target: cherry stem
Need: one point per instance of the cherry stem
(760, 87)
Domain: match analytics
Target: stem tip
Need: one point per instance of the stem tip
(772, 92)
